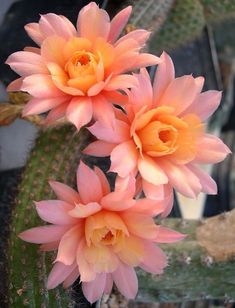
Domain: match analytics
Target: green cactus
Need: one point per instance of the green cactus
(55, 156)
(192, 275)
(218, 10)
(185, 22)
(149, 15)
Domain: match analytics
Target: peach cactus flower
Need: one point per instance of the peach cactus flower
(100, 235)
(162, 137)
(76, 73)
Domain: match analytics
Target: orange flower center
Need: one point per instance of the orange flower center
(158, 137)
(79, 64)
(158, 133)
(101, 231)
(83, 59)
(107, 237)
(82, 63)
(81, 70)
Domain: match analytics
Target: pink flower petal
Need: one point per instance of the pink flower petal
(151, 171)
(142, 94)
(154, 259)
(148, 207)
(180, 94)
(27, 63)
(40, 86)
(38, 105)
(151, 191)
(64, 192)
(55, 211)
(161, 193)
(166, 235)
(214, 150)
(103, 181)
(79, 111)
(44, 234)
(86, 270)
(205, 104)
(15, 85)
(71, 278)
(108, 284)
(88, 184)
(182, 179)
(121, 115)
(117, 201)
(126, 56)
(139, 35)
(126, 280)
(164, 76)
(51, 50)
(209, 186)
(131, 251)
(56, 114)
(82, 211)
(126, 185)
(124, 158)
(99, 148)
(103, 111)
(115, 97)
(52, 24)
(199, 83)
(126, 46)
(68, 245)
(93, 290)
(96, 88)
(34, 32)
(118, 23)
(168, 200)
(140, 225)
(59, 273)
(144, 60)
(120, 82)
(93, 22)
(119, 133)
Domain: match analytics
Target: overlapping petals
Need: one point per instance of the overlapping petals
(76, 72)
(156, 141)
(100, 235)
(162, 138)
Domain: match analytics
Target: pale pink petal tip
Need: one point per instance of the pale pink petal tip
(166, 235)
(79, 112)
(100, 25)
(82, 211)
(58, 274)
(93, 290)
(88, 183)
(126, 280)
(15, 85)
(64, 192)
(118, 23)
